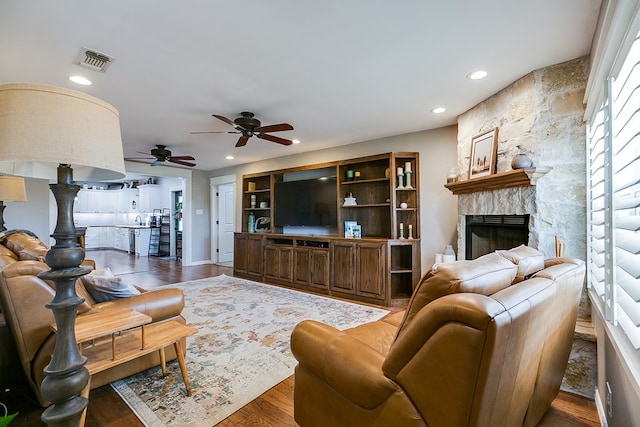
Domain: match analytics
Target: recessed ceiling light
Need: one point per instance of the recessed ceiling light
(80, 80)
(295, 141)
(477, 75)
(229, 157)
(438, 110)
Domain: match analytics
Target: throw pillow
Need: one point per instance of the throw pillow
(27, 247)
(528, 260)
(106, 287)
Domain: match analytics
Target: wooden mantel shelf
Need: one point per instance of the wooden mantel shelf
(513, 178)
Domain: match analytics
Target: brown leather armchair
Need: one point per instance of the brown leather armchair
(23, 297)
(472, 349)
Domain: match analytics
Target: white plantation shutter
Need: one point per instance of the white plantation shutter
(625, 95)
(613, 162)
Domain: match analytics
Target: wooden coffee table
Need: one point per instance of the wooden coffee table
(116, 336)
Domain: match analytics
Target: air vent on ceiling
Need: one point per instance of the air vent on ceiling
(94, 60)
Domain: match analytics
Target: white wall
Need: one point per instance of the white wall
(32, 215)
(438, 153)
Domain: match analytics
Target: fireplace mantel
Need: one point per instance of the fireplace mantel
(513, 178)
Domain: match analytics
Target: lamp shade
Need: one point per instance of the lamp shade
(44, 126)
(12, 189)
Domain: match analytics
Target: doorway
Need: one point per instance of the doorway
(223, 219)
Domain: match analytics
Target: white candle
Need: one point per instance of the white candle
(400, 171)
(410, 228)
(407, 167)
(401, 226)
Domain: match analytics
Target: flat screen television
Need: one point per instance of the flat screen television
(306, 203)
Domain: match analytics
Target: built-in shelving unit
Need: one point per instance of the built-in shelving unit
(381, 267)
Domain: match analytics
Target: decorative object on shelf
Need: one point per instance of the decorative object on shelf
(400, 178)
(349, 175)
(251, 224)
(452, 176)
(11, 190)
(387, 173)
(521, 160)
(264, 205)
(357, 175)
(357, 231)
(251, 186)
(403, 205)
(448, 255)
(349, 200)
(401, 231)
(263, 224)
(410, 232)
(44, 132)
(483, 154)
(253, 200)
(407, 173)
(348, 228)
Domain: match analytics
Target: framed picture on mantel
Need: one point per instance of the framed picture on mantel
(483, 154)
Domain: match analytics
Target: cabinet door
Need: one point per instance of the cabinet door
(270, 262)
(343, 258)
(285, 264)
(240, 253)
(320, 268)
(254, 255)
(370, 269)
(81, 203)
(302, 266)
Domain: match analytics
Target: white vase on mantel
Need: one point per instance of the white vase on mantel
(521, 160)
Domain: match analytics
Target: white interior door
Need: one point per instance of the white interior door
(225, 222)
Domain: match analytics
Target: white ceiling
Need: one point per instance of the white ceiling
(340, 72)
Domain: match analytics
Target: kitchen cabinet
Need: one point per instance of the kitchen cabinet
(99, 237)
(106, 201)
(128, 200)
(142, 236)
(121, 238)
(152, 197)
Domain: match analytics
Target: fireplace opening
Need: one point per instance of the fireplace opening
(488, 233)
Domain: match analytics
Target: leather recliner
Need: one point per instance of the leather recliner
(480, 344)
(23, 297)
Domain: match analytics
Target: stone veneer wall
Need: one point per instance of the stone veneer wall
(543, 112)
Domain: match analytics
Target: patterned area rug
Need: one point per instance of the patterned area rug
(240, 351)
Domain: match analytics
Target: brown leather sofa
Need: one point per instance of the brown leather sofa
(23, 296)
(480, 344)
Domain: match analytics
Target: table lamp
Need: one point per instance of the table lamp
(45, 131)
(11, 190)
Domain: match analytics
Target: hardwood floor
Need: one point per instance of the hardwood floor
(273, 408)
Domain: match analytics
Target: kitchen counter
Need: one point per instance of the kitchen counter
(131, 226)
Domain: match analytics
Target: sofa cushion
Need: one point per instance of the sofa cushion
(27, 247)
(4, 251)
(528, 260)
(103, 286)
(485, 275)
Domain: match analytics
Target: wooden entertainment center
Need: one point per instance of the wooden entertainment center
(381, 267)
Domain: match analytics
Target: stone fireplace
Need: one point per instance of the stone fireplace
(487, 233)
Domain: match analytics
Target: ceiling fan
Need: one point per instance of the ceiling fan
(247, 125)
(161, 155)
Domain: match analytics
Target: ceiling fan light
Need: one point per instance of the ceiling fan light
(295, 141)
(229, 157)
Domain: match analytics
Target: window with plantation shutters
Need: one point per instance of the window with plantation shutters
(614, 199)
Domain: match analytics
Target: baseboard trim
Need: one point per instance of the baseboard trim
(206, 261)
(601, 412)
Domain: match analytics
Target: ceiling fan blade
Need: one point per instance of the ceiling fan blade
(182, 158)
(242, 141)
(139, 158)
(180, 162)
(198, 133)
(273, 138)
(224, 119)
(274, 128)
